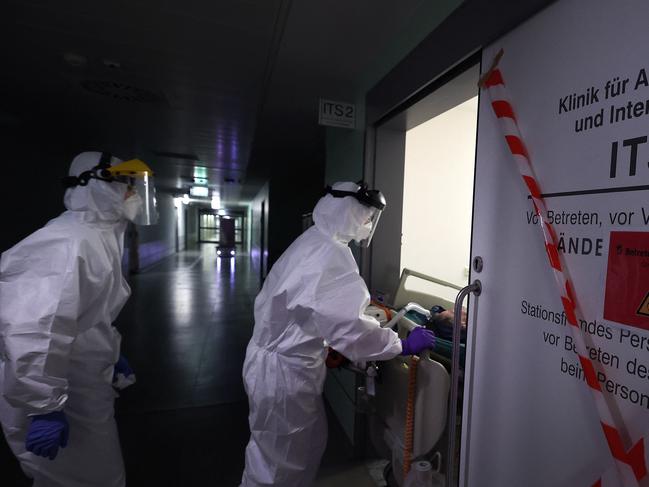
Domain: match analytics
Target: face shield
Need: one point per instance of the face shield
(373, 203)
(140, 202)
(369, 227)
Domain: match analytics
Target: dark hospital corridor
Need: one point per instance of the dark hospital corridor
(185, 334)
(437, 207)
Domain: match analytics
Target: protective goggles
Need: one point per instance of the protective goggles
(368, 197)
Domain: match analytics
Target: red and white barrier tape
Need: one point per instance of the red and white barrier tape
(631, 463)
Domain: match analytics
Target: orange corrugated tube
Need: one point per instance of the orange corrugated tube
(409, 437)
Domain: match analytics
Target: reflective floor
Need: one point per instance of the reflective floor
(184, 423)
(185, 334)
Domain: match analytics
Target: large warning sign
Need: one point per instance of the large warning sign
(627, 279)
(643, 310)
(577, 76)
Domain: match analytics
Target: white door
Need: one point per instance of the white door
(577, 77)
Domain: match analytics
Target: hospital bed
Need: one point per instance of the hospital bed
(389, 403)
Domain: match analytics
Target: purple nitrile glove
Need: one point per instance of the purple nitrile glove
(47, 433)
(419, 340)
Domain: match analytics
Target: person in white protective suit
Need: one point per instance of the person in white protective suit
(312, 294)
(61, 288)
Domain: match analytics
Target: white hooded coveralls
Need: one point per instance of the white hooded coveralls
(61, 288)
(313, 293)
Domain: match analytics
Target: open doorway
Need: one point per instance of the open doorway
(438, 198)
(208, 226)
(423, 161)
(422, 157)
(217, 228)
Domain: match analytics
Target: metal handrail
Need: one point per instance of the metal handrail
(410, 272)
(476, 288)
(402, 312)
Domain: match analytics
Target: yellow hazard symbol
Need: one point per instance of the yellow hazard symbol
(644, 306)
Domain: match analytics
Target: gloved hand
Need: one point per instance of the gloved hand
(47, 433)
(419, 340)
(123, 375)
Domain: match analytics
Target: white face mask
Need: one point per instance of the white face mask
(364, 231)
(132, 207)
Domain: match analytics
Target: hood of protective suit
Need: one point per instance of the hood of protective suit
(99, 200)
(343, 219)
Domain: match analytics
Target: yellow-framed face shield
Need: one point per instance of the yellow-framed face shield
(139, 198)
(139, 176)
(134, 168)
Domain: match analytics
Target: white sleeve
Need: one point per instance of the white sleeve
(40, 302)
(339, 316)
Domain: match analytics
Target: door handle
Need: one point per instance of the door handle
(474, 288)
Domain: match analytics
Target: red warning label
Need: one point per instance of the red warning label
(627, 279)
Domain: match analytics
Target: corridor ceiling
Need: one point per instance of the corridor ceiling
(192, 83)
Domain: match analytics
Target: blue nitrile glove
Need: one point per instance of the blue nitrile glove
(123, 375)
(122, 367)
(419, 340)
(47, 433)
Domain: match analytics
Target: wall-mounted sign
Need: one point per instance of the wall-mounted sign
(337, 114)
(199, 191)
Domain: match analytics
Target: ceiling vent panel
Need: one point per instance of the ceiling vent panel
(122, 91)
